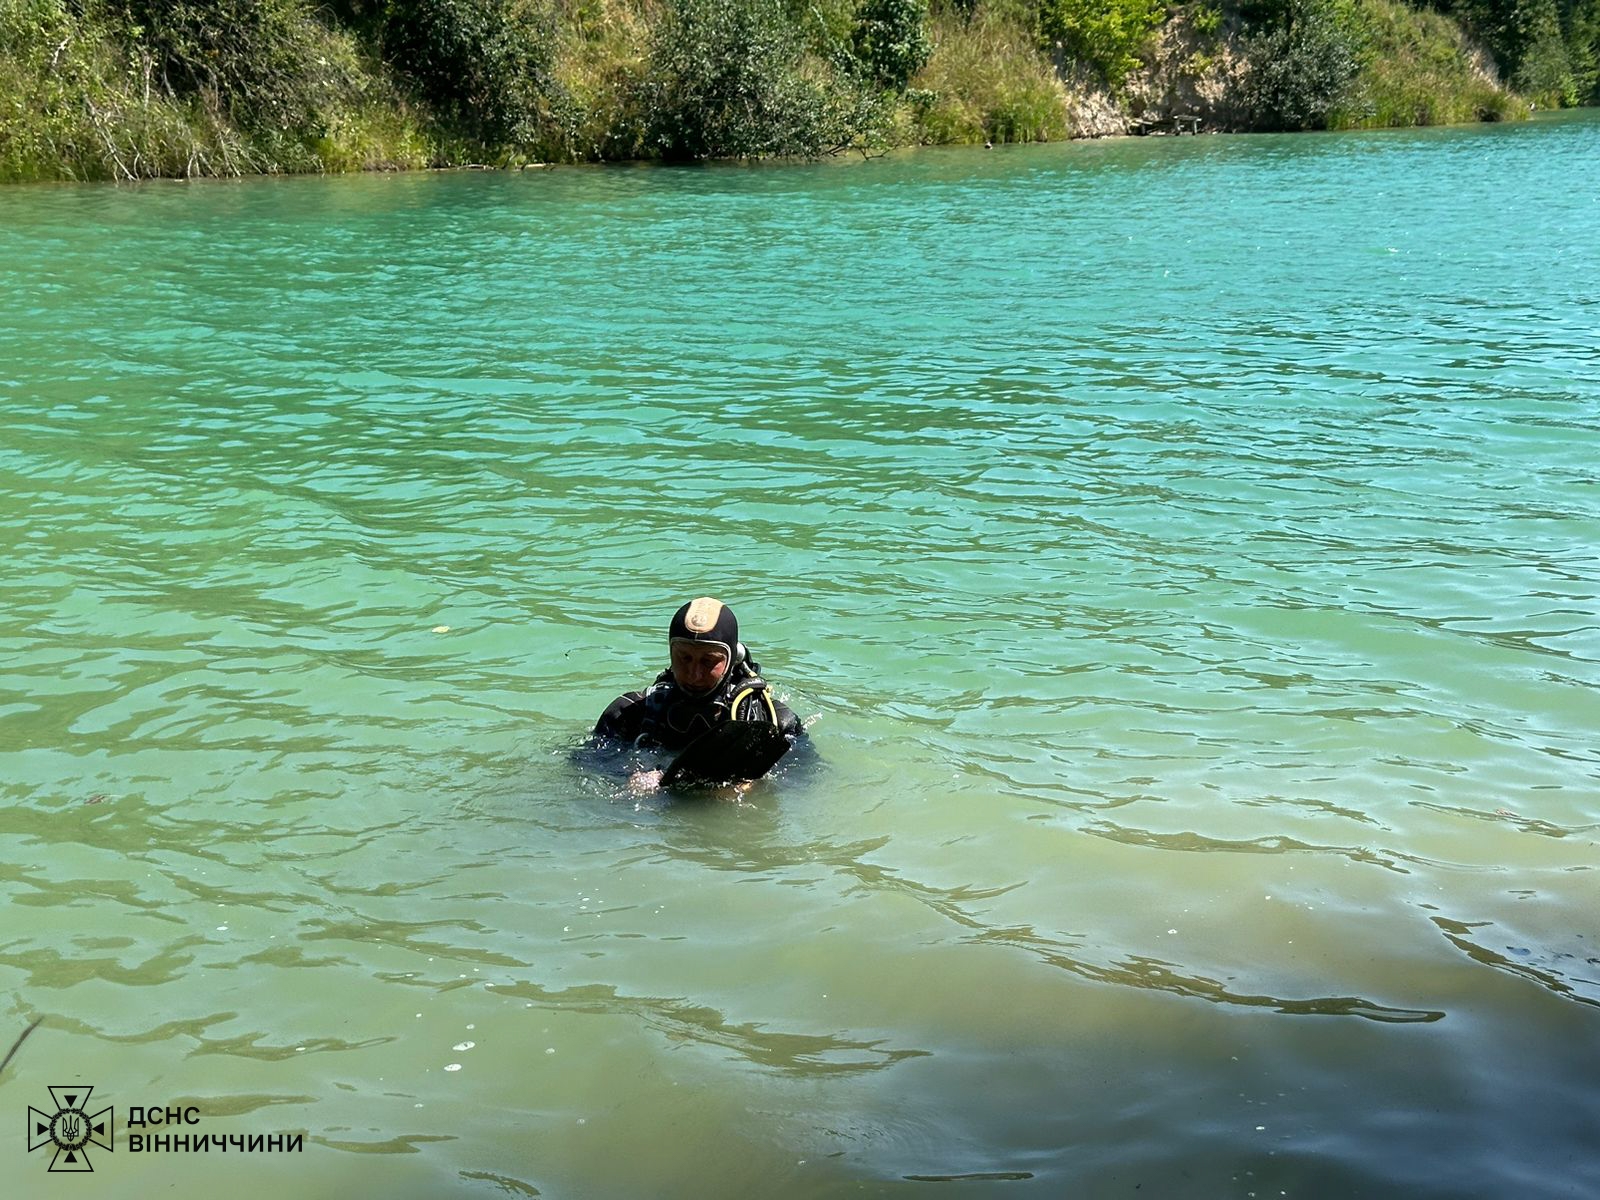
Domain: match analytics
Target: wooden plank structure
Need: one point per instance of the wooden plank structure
(1166, 124)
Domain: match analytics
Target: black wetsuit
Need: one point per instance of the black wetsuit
(665, 716)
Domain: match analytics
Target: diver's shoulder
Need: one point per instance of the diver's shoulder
(621, 717)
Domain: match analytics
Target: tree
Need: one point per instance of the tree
(891, 41)
(1304, 56)
(726, 80)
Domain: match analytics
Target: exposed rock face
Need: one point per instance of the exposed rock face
(1092, 111)
(1190, 82)
(1187, 74)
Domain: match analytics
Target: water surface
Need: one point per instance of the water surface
(1190, 551)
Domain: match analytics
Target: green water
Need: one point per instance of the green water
(1192, 549)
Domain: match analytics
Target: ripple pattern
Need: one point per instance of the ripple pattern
(1190, 549)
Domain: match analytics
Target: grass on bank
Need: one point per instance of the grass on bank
(123, 89)
(986, 80)
(602, 53)
(1418, 68)
(86, 95)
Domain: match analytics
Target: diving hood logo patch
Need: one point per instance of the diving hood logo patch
(72, 1130)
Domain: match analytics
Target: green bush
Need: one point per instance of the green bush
(266, 65)
(1418, 70)
(827, 29)
(1583, 41)
(599, 61)
(891, 41)
(484, 66)
(1304, 57)
(84, 94)
(1544, 69)
(1206, 20)
(1106, 34)
(77, 101)
(727, 80)
(1549, 49)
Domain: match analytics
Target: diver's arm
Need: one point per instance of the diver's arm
(607, 746)
(759, 704)
(791, 726)
(623, 719)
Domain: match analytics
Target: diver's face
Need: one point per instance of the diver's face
(698, 668)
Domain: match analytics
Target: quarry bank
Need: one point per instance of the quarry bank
(129, 89)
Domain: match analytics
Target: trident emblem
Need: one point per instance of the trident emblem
(71, 1130)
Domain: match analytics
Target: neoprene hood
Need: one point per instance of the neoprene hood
(706, 620)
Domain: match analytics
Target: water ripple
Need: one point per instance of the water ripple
(1189, 547)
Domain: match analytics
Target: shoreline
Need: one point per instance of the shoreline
(852, 157)
(86, 95)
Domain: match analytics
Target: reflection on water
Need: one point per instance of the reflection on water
(1572, 974)
(805, 1055)
(1188, 549)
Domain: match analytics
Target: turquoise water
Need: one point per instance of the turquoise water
(1189, 550)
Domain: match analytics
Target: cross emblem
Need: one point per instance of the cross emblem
(71, 1130)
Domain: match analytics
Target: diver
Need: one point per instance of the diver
(711, 680)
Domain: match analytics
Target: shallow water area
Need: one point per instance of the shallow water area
(1189, 550)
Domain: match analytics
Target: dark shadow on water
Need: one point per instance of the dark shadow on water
(681, 1021)
(1503, 816)
(407, 935)
(1198, 842)
(1153, 974)
(1550, 969)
